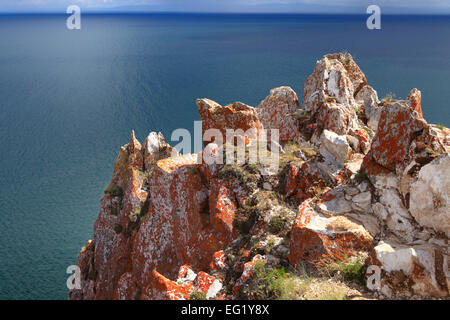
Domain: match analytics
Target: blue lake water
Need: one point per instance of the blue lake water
(69, 100)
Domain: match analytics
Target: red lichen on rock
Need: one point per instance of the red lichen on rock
(234, 116)
(276, 112)
(415, 99)
(316, 239)
(161, 288)
(398, 127)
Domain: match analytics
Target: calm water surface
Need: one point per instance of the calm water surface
(69, 99)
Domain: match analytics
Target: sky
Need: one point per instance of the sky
(232, 6)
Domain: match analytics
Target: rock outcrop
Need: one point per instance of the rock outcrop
(357, 177)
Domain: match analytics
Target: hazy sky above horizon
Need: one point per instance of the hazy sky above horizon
(256, 6)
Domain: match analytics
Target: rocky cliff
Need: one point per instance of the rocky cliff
(358, 178)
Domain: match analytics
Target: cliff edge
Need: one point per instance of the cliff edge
(362, 186)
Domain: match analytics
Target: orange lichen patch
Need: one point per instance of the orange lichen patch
(315, 238)
(292, 180)
(304, 216)
(304, 182)
(184, 269)
(326, 196)
(161, 288)
(363, 138)
(415, 99)
(343, 175)
(204, 281)
(218, 262)
(248, 271)
(223, 207)
(371, 167)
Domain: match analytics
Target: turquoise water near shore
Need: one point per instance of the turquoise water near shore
(69, 100)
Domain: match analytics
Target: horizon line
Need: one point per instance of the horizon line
(112, 11)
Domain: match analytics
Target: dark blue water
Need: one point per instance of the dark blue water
(69, 99)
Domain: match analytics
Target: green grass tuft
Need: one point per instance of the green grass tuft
(351, 271)
(198, 295)
(369, 131)
(114, 191)
(389, 97)
(360, 176)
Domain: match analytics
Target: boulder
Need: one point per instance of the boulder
(415, 98)
(334, 147)
(276, 110)
(430, 195)
(411, 270)
(329, 92)
(368, 97)
(234, 116)
(317, 239)
(399, 132)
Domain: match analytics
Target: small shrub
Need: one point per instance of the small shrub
(441, 126)
(369, 131)
(266, 283)
(359, 113)
(114, 191)
(246, 179)
(276, 225)
(360, 176)
(198, 295)
(333, 293)
(350, 271)
(320, 129)
(118, 228)
(114, 210)
(389, 97)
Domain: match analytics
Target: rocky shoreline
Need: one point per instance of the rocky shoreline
(362, 182)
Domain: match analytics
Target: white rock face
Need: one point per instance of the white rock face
(398, 219)
(393, 259)
(424, 265)
(369, 98)
(430, 195)
(155, 148)
(335, 146)
(214, 289)
(362, 201)
(380, 211)
(337, 205)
